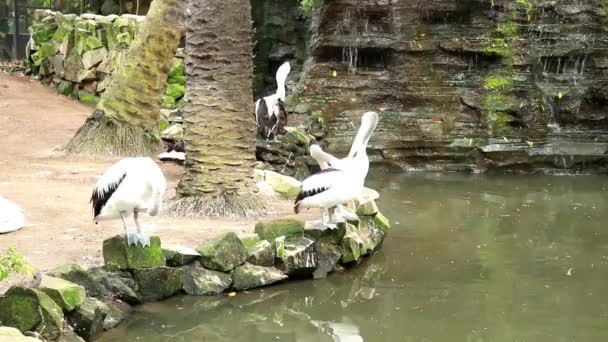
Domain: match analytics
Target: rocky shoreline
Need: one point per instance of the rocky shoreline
(70, 303)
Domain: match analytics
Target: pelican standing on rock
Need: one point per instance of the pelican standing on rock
(129, 187)
(270, 113)
(343, 179)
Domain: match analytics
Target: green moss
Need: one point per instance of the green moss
(65, 88)
(88, 99)
(66, 294)
(250, 242)
(117, 253)
(529, 7)
(497, 82)
(270, 230)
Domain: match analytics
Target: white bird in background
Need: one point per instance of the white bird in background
(130, 186)
(11, 216)
(342, 181)
(270, 113)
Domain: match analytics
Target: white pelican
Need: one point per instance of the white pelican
(270, 113)
(130, 186)
(342, 181)
(11, 216)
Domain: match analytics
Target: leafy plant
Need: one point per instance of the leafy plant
(309, 6)
(13, 262)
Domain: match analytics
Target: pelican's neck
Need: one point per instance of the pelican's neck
(281, 91)
(281, 77)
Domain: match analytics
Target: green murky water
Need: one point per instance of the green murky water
(470, 258)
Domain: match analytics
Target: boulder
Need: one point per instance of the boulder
(174, 132)
(296, 137)
(57, 62)
(353, 246)
(88, 319)
(65, 88)
(118, 311)
(73, 67)
(367, 209)
(179, 256)
(31, 310)
(118, 285)
(201, 282)
(298, 257)
(270, 230)
(250, 241)
(76, 274)
(66, 294)
(288, 187)
(94, 57)
(9, 334)
(382, 222)
(117, 253)
(223, 253)
(262, 254)
(250, 276)
(328, 256)
(158, 283)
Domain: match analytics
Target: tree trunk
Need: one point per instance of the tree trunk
(125, 122)
(220, 127)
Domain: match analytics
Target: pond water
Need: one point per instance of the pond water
(469, 258)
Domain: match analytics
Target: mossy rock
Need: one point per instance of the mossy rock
(202, 282)
(31, 310)
(250, 276)
(117, 253)
(178, 68)
(262, 254)
(223, 253)
(179, 256)
(158, 283)
(118, 312)
(270, 230)
(250, 241)
(175, 91)
(65, 88)
(66, 294)
(87, 99)
(298, 257)
(328, 256)
(77, 275)
(382, 222)
(367, 209)
(88, 319)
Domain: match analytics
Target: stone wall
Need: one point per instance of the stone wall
(78, 54)
(463, 85)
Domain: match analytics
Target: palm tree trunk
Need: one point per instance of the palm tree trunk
(125, 122)
(218, 115)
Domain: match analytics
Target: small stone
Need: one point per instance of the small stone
(270, 230)
(87, 320)
(118, 311)
(201, 282)
(328, 256)
(298, 258)
(288, 187)
(223, 253)
(8, 334)
(76, 274)
(158, 283)
(66, 294)
(117, 253)
(36, 312)
(263, 254)
(250, 276)
(179, 256)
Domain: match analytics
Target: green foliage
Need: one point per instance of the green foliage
(13, 262)
(499, 81)
(310, 5)
(528, 6)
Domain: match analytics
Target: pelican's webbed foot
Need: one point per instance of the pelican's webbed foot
(134, 238)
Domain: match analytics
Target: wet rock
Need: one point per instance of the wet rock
(87, 320)
(288, 187)
(223, 253)
(70, 336)
(250, 276)
(382, 222)
(117, 285)
(37, 312)
(328, 256)
(179, 256)
(117, 312)
(158, 283)
(76, 274)
(66, 294)
(262, 254)
(367, 209)
(201, 282)
(9, 334)
(270, 230)
(353, 245)
(117, 253)
(298, 257)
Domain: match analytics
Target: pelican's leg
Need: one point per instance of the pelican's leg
(124, 225)
(140, 236)
(332, 223)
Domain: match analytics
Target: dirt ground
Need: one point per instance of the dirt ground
(54, 189)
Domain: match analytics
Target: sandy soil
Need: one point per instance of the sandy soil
(54, 189)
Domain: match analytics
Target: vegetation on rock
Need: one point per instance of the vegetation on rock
(13, 261)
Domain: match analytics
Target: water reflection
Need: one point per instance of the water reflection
(470, 258)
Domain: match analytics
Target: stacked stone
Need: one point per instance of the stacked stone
(99, 298)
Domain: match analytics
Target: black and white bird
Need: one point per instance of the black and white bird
(342, 181)
(11, 216)
(129, 187)
(270, 112)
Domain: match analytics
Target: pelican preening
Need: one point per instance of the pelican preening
(130, 186)
(270, 112)
(341, 180)
(11, 216)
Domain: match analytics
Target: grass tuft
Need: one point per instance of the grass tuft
(229, 205)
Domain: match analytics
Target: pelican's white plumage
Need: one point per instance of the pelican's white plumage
(11, 216)
(130, 186)
(341, 180)
(270, 113)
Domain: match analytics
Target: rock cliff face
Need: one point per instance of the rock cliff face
(467, 85)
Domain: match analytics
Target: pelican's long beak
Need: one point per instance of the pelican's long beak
(369, 121)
